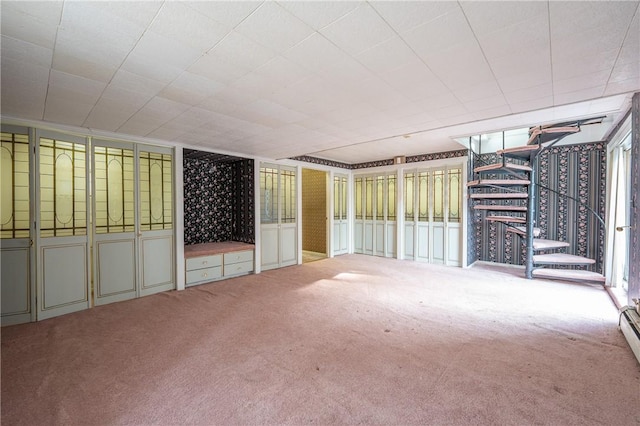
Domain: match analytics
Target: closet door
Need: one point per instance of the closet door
(358, 228)
(155, 235)
(424, 219)
(62, 228)
(278, 211)
(114, 234)
(340, 223)
(453, 224)
(17, 295)
(409, 215)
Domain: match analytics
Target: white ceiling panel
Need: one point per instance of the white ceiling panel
(47, 12)
(442, 33)
(190, 89)
(160, 48)
(275, 79)
(110, 114)
(404, 16)
(266, 25)
(319, 14)
(41, 33)
(80, 65)
(387, 56)
(315, 53)
(151, 67)
(177, 21)
(65, 109)
(229, 13)
(359, 30)
(242, 52)
(19, 50)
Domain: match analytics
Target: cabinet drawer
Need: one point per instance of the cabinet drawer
(204, 275)
(238, 257)
(238, 268)
(194, 263)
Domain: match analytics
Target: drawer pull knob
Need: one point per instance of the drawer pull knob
(204, 262)
(204, 274)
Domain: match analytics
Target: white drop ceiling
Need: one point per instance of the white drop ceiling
(346, 81)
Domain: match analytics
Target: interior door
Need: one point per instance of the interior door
(358, 226)
(114, 233)
(453, 224)
(278, 213)
(17, 295)
(438, 248)
(340, 223)
(423, 217)
(155, 234)
(62, 228)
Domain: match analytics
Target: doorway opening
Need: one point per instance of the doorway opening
(314, 215)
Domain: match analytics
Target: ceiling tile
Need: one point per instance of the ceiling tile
(530, 93)
(578, 95)
(315, 53)
(151, 67)
(488, 17)
(569, 18)
(404, 16)
(275, 110)
(47, 12)
(497, 101)
(65, 110)
(19, 50)
(386, 56)
(623, 86)
(73, 84)
(217, 69)
(159, 48)
(415, 81)
(228, 13)
(28, 28)
(179, 22)
(319, 14)
(525, 80)
(135, 83)
(190, 89)
(140, 13)
(483, 90)
(110, 114)
(273, 26)
(242, 52)
(359, 30)
(442, 33)
(585, 81)
(282, 72)
(79, 65)
(24, 89)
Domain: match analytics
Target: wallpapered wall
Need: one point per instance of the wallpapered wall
(314, 210)
(576, 170)
(634, 222)
(218, 201)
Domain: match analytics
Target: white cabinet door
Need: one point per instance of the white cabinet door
(17, 293)
(63, 225)
(114, 221)
(157, 254)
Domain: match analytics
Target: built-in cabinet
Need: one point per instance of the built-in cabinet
(433, 215)
(65, 247)
(375, 215)
(209, 262)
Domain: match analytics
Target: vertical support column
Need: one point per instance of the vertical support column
(531, 210)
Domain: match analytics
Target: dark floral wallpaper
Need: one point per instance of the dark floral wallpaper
(386, 162)
(218, 201)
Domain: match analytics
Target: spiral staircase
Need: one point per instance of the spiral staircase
(506, 191)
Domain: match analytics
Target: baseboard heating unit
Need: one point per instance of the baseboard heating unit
(630, 327)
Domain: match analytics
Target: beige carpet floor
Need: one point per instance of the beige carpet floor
(349, 340)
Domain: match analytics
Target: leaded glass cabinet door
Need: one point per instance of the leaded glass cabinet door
(18, 295)
(278, 216)
(340, 221)
(114, 211)
(62, 224)
(156, 213)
